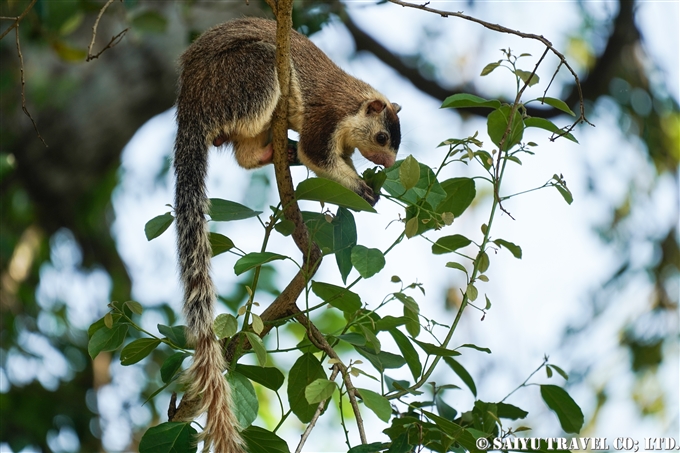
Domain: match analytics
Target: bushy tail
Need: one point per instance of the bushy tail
(205, 378)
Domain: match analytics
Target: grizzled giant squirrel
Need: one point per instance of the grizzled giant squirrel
(228, 90)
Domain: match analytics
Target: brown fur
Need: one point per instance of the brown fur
(228, 92)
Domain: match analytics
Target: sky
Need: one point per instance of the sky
(534, 299)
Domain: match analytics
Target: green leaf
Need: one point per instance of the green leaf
(135, 307)
(411, 311)
(69, 53)
(106, 339)
(156, 226)
(344, 238)
(460, 192)
(337, 296)
(482, 262)
(560, 371)
(557, 103)
(384, 360)
(71, 24)
(408, 301)
(258, 347)
(474, 346)
(428, 187)
(255, 259)
(409, 172)
(244, 399)
(285, 227)
(377, 403)
(462, 100)
(448, 244)
(220, 243)
(321, 189)
(226, 211)
(321, 230)
(411, 228)
(409, 352)
(471, 292)
(497, 123)
(569, 413)
(367, 262)
(225, 326)
(400, 445)
(137, 350)
(306, 370)
(505, 410)
(319, 390)
(454, 430)
(547, 125)
(432, 349)
(444, 409)
(389, 322)
(353, 338)
(375, 178)
(373, 447)
(527, 77)
(371, 339)
(454, 265)
(413, 323)
(488, 69)
(169, 437)
(150, 21)
(566, 194)
(172, 365)
(516, 250)
(259, 440)
(394, 385)
(269, 377)
(462, 374)
(176, 335)
(102, 322)
(258, 324)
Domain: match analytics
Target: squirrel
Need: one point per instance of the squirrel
(228, 90)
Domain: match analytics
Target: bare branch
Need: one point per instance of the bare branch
(23, 84)
(502, 29)
(506, 134)
(16, 19)
(318, 340)
(317, 414)
(114, 40)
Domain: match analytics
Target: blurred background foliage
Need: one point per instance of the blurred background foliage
(57, 196)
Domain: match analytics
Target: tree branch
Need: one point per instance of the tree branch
(501, 29)
(317, 414)
(318, 340)
(115, 40)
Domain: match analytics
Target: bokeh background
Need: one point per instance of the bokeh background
(596, 290)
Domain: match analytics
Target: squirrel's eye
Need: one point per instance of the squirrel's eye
(381, 138)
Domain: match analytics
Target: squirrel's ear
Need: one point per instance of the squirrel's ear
(376, 106)
(396, 107)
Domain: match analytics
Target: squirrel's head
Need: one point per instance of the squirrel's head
(376, 131)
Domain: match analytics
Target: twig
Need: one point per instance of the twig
(115, 40)
(23, 85)
(317, 414)
(16, 19)
(506, 134)
(502, 29)
(15, 27)
(320, 342)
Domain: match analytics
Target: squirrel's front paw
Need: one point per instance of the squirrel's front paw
(368, 194)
